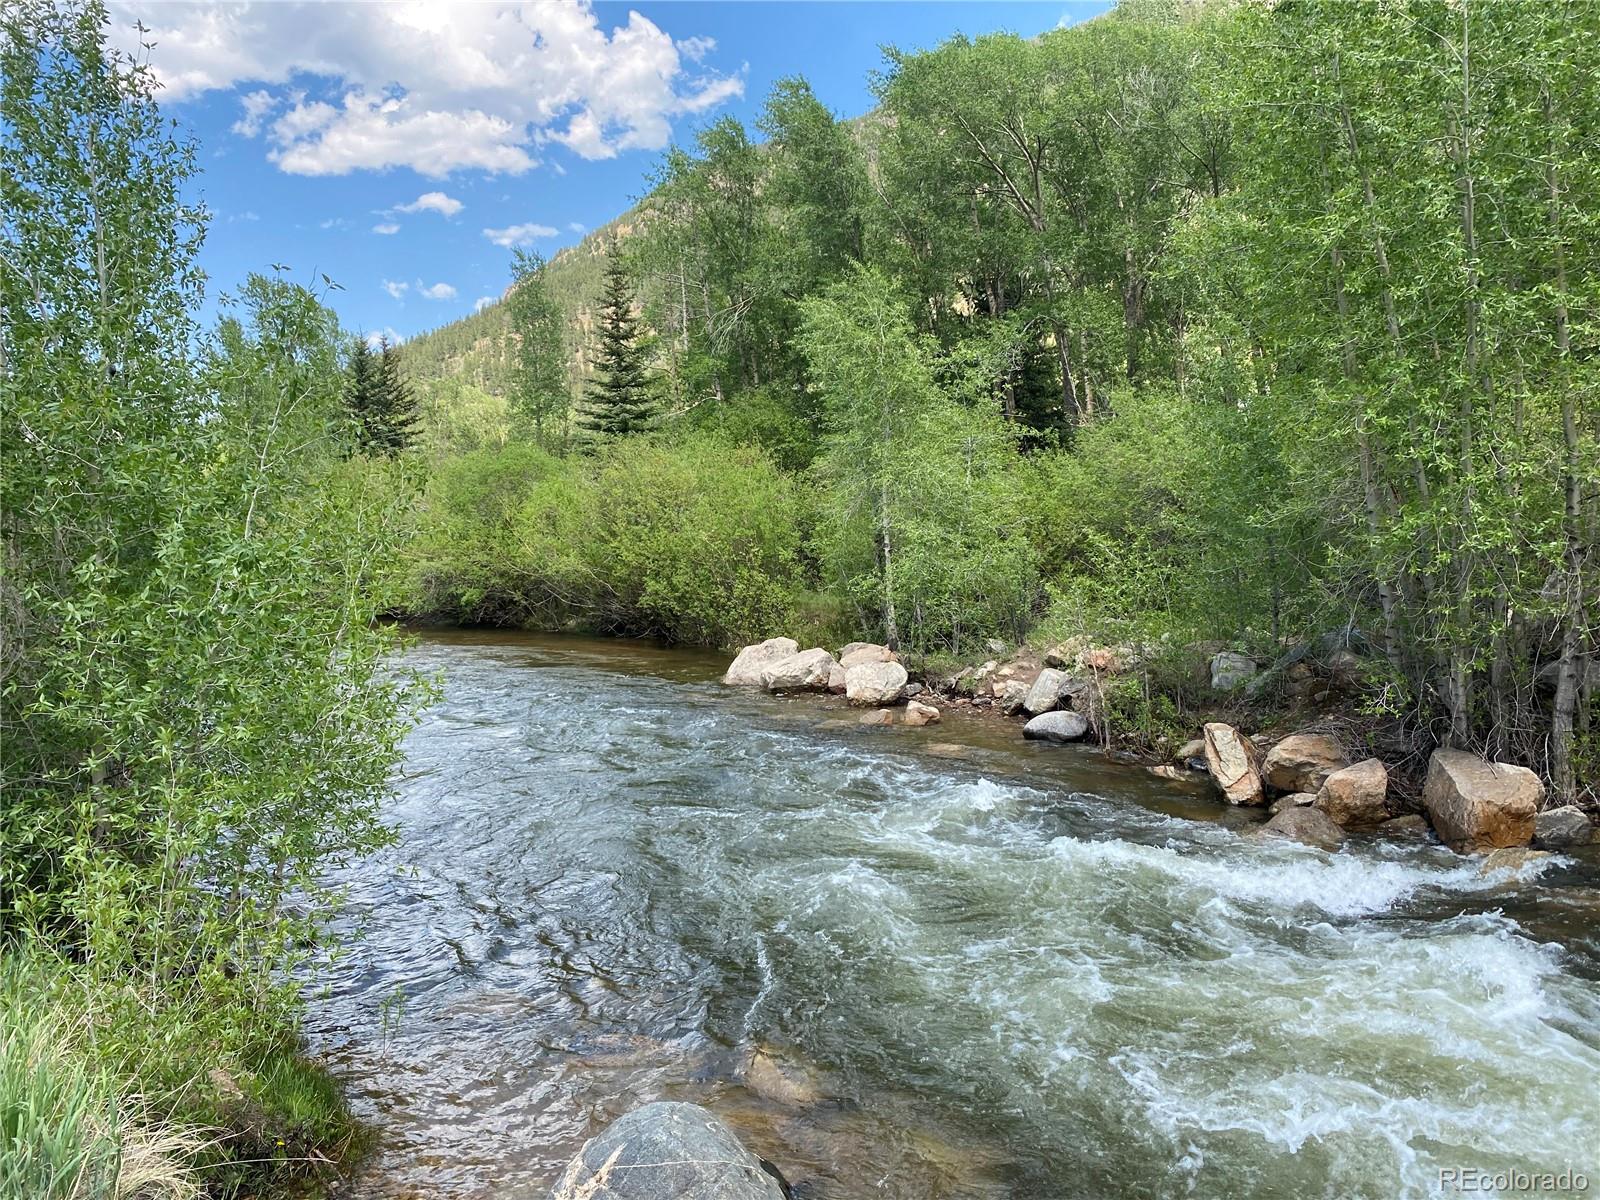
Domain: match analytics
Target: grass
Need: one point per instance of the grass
(111, 1091)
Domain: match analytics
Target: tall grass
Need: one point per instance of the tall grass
(66, 1133)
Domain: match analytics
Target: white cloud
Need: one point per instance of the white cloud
(386, 227)
(333, 223)
(437, 87)
(445, 206)
(577, 227)
(482, 302)
(437, 291)
(256, 106)
(518, 235)
(377, 337)
(396, 291)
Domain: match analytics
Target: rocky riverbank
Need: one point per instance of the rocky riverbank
(1316, 787)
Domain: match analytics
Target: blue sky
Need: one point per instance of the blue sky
(403, 148)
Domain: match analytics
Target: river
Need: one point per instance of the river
(923, 964)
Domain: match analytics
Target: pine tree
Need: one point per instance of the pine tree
(362, 396)
(401, 411)
(619, 400)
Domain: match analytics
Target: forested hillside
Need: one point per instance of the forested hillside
(1195, 322)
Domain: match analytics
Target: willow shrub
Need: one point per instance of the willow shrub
(691, 539)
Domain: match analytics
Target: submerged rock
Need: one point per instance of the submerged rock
(1302, 762)
(920, 714)
(1558, 828)
(1357, 795)
(1476, 805)
(807, 671)
(752, 660)
(878, 716)
(1058, 726)
(668, 1151)
(1292, 800)
(874, 683)
(1410, 825)
(1234, 763)
(1307, 825)
(1510, 859)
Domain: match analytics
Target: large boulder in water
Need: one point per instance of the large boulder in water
(1558, 828)
(1058, 726)
(1307, 825)
(668, 1151)
(1302, 762)
(808, 671)
(752, 660)
(1357, 795)
(1234, 763)
(874, 683)
(1476, 805)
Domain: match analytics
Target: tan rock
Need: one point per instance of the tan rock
(1558, 828)
(1476, 805)
(1308, 825)
(918, 714)
(807, 671)
(1011, 696)
(1302, 762)
(864, 652)
(836, 678)
(878, 716)
(752, 660)
(1410, 825)
(1101, 659)
(1234, 763)
(1357, 795)
(948, 750)
(874, 683)
(1193, 748)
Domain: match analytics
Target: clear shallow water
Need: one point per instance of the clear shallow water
(1017, 973)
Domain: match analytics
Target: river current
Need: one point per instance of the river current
(922, 964)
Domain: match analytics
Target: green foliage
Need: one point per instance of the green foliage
(921, 512)
(618, 399)
(382, 404)
(695, 541)
(538, 391)
(196, 719)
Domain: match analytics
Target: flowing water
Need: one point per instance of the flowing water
(923, 963)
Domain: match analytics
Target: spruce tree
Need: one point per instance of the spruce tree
(618, 398)
(401, 411)
(362, 398)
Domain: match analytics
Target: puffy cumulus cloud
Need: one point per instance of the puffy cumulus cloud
(386, 227)
(447, 206)
(378, 337)
(481, 303)
(518, 235)
(256, 106)
(396, 291)
(433, 85)
(436, 291)
(577, 226)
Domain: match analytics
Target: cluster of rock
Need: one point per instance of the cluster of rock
(1316, 793)
(864, 673)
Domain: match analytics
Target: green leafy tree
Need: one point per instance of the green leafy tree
(619, 399)
(194, 718)
(538, 386)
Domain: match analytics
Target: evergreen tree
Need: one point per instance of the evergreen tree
(619, 399)
(361, 395)
(401, 413)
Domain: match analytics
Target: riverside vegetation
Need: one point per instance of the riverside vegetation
(1196, 329)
